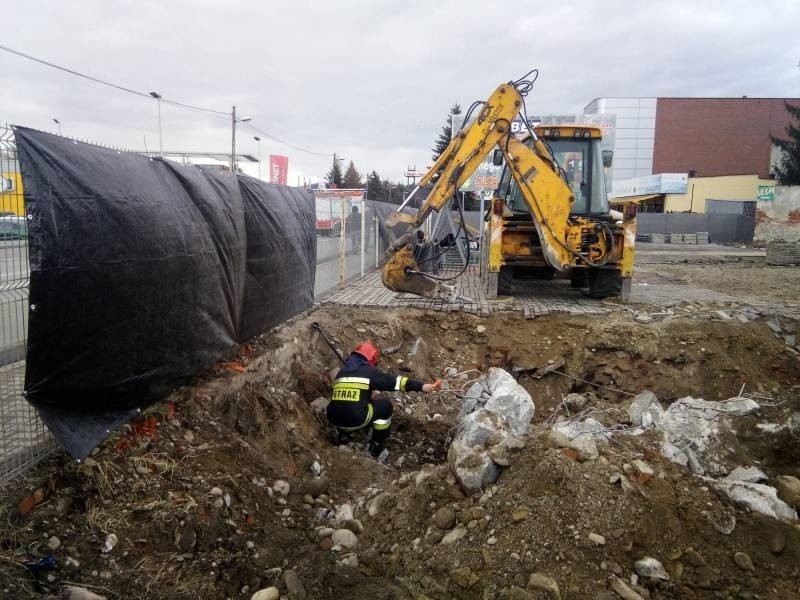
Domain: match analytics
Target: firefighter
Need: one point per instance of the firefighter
(355, 402)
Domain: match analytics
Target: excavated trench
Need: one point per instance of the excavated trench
(198, 511)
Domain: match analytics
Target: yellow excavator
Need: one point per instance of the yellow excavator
(550, 213)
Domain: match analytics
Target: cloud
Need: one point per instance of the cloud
(371, 81)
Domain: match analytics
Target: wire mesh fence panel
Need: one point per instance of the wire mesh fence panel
(24, 440)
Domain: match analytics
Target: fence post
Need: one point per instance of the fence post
(377, 259)
(363, 233)
(342, 242)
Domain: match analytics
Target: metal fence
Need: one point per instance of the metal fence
(24, 440)
(343, 253)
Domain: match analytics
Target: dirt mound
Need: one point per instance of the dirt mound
(232, 485)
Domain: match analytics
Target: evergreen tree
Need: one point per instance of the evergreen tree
(334, 176)
(352, 178)
(374, 187)
(789, 170)
(447, 132)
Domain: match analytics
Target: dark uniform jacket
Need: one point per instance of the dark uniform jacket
(350, 405)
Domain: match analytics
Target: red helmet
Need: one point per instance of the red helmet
(369, 351)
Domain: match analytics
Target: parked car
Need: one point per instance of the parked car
(13, 228)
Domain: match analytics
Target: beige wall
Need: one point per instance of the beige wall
(730, 187)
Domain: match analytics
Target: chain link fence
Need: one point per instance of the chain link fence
(24, 440)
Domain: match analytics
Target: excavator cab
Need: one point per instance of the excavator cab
(516, 253)
(577, 154)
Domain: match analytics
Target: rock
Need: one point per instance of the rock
(315, 469)
(445, 518)
(650, 567)
(54, 543)
(597, 539)
(351, 560)
(418, 359)
(294, 587)
(694, 558)
(623, 590)
(281, 487)
(80, 593)
(585, 446)
(374, 505)
(474, 469)
(344, 538)
(749, 474)
(589, 426)
(215, 491)
(644, 319)
(463, 577)
(109, 543)
(789, 490)
(454, 535)
(644, 410)
(759, 497)
(543, 583)
(479, 426)
(614, 477)
(491, 541)
(344, 512)
(557, 439)
(510, 400)
(575, 402)
(320, 405)
(188, 436)
(354, 525)
(324, 532)
(519, 515)
(480, 328)
(326, 543)
(515, 593)
(743, 561)
(316, 487)
(270, 593)
(642, 468)
(777, 541)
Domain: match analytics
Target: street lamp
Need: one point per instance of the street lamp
(157, 96)
(57, 122)
(258, 139)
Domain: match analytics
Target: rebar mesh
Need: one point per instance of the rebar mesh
(24, 440)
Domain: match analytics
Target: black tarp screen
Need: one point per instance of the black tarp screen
(145, 272)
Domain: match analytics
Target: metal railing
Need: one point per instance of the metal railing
(24, 440)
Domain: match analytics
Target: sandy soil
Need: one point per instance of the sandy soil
(749, 279)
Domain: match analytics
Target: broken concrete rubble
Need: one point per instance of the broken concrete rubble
(758, 497)
(496, 411)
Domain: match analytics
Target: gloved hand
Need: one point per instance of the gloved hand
(432, 387)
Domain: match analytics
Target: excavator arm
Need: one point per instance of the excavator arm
(547, 195)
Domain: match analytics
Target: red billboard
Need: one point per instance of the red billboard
(278, 168)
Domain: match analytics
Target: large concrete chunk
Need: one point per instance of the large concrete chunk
(645, 411)
(758, 497)
(478, 426)
(473, 468)
(513, 403)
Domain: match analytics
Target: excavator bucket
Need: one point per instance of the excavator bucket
(401, 273)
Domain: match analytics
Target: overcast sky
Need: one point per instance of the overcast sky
(370, 80)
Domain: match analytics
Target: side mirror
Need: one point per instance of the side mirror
(608, 156)
(497, 158)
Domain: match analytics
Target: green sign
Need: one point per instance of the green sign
(766, 192)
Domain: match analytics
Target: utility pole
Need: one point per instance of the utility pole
(157, 96)
(233, 141)
(258, 139)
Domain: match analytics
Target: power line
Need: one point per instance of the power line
(285, 143)
(149, 96)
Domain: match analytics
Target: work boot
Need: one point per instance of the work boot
(375, 449)
(343, 437)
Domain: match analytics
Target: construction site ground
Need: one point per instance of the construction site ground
(233, 485)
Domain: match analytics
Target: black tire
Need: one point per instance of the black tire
(604, 283)
(504, 281)
(579, 278)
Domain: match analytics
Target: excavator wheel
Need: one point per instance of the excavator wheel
(579, 278)
(604, 283)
